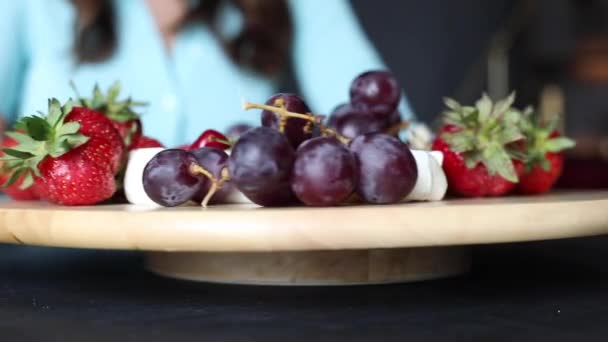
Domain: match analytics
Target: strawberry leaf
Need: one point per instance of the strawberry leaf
(559, 144)
(6, 158)
(21, 138)
(512, 117)
(497, 161)
(75, 140)
(28, 180)
(509, 134)
(68, 128)
(551, 126)
(31, 149)
(470, 117)
(545, 164)
(452, 104)
(55, 114)
(484, 107)
(14, 177)
(502, 106)
(36, 127)
(17, 154)
(113, 92)
(97, 97)
(67, 108)
(459, 142)
(517, 154)
(471, 159)
(452, 118)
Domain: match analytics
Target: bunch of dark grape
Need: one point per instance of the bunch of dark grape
(373, 107)
(295, 158)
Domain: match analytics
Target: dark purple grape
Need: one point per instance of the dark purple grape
(260, 167)
(394, 121)
(167, 178)
(395, 118)
(295, 128)
(387, 168)
(378, 90)
(212, 160)
(325, 172)
(352, 121)
(234, 132)
(337, 113)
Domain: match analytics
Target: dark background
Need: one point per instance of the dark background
(542, 291)
(434, 45)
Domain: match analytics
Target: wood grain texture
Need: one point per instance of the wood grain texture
(251, 229)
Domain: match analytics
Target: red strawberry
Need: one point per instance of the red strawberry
(130, 131)
(14, 191)
(124, 118)
(72, 155)
(72, 180)
(107, 147)
(538, 180)
(211, 138)
(475, 140)
(544, 158)
(146, 142)
(470, 182)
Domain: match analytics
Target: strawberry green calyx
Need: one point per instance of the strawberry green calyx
(482, 134)
(108, 103)
(541, 138)
(39, 137)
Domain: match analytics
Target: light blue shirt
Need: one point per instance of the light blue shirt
(193, 88)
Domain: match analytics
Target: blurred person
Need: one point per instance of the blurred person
(194, 62)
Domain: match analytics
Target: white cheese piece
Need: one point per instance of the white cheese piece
(431, 184)
(133, 183)
(422, 189)
(440, 182)
(438, 156)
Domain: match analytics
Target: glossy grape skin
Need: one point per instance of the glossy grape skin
(378, 90)
(167, 178)
(337, 113)
(350, 121)
(324, 173)
(260, 167)
(212, 160)
(294, 127)
(387, 168)
(234, 132)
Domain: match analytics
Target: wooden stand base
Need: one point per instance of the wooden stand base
(350, 267)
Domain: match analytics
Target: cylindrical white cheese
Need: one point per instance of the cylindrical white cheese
(133, 183)
(431, 184)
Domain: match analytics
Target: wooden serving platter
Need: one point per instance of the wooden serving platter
(302, 246)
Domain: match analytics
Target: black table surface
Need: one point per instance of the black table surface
(542, 291)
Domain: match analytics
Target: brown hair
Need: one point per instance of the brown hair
(263, 45)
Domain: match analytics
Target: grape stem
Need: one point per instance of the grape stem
(221, 141)
(216, 184)
(311, 118)
(396, 128)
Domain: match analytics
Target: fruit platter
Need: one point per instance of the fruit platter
(357, 197)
